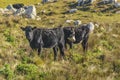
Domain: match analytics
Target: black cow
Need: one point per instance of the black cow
(46, 38)
(81, 36)
(67, 32)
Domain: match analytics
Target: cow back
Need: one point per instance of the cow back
(52, 37)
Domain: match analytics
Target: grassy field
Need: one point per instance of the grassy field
(101, 62)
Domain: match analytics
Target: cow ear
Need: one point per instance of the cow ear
(22, 28)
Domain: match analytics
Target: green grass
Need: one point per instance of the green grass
(101, 62)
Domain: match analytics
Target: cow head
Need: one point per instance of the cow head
(69, 33)
(80, 34)
(28, 32)
(72, 35)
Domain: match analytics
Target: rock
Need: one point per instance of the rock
(105, 1)
(11, 8)
(117, 5)
(117, 12)
(92, 1)
(31, 12)
(73, 10)
(113, 1)
(89, 1)
(18, 5)
(77, 22)
(27, 11)
(69, 21)
(44, 1)
(7, 11)
(20, 12)
(82, 2)
(109, 1)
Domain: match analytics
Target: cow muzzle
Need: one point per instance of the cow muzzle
(72, 39)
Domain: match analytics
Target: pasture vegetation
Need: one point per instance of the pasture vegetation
(101, 62)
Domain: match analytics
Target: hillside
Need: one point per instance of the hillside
(101, 62)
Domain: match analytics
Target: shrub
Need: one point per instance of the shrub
(26, 69)
(78, 58)
(9, 37)
(7, 72)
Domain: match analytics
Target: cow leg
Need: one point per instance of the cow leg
(55, 49)
(70, 44)
(61, 47)
(39, 50)
(65, 45)
(85, 44)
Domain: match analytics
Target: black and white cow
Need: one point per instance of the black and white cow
(81, 35)
(46, 38)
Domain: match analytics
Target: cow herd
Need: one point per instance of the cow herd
(58, 38)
